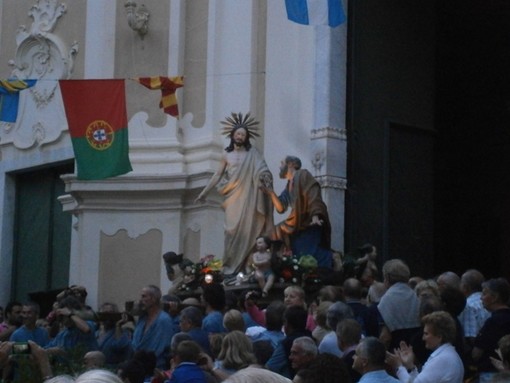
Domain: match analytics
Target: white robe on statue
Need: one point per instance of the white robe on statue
(248, 211)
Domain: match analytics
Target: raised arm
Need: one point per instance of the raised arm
(213, 181)
(78, 322)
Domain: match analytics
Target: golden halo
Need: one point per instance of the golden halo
(235, 121)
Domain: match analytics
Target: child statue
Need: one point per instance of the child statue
(261, 262)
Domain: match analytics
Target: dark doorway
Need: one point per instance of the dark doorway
(473, 145)
(442, 67)
(390, 129)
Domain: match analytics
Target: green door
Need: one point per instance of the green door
(42, 233)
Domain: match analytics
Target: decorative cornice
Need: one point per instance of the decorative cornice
(332, 182)
(328, 132)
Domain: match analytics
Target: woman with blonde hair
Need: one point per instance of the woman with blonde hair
(294, 295)
(236, 353)
(444, 364)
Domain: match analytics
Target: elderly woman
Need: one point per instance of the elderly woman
(427, 288)
(444, 364)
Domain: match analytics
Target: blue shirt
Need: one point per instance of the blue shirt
(72, 337)
(38, 335)
(329, 345)
(273, 336)
(248, 320)
(115, 350)
(213, 323)
(201, 337)
(279, 361)
(156, 338)
(379, 376)
(187, 372)
(176, 322)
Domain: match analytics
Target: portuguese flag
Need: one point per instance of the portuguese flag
(96, 115)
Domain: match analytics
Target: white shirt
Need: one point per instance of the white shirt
(474, 315)
(443, 366)
(329, 345)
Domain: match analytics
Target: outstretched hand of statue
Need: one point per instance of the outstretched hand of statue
(266, 180)
(265, 190)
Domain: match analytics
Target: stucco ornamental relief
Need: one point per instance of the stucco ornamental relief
(44, 56)
(318, 161)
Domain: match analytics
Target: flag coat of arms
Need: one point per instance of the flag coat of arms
(97, 119)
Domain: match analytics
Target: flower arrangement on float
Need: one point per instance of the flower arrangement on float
(289, 268)
(206, 270)
(298, 270)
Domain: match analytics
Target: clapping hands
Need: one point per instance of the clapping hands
(402, 356)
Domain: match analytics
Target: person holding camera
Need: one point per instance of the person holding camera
(36, 362)
(80, 293)
(76, 331)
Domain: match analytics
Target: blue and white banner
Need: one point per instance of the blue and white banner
(9, 97)
(316, 12)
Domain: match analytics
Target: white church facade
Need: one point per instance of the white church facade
(235, 56)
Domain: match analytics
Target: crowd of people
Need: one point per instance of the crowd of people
(397, 328)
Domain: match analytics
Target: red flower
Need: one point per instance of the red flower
(286, 274)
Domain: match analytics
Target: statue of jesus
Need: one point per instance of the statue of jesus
(248, 211)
